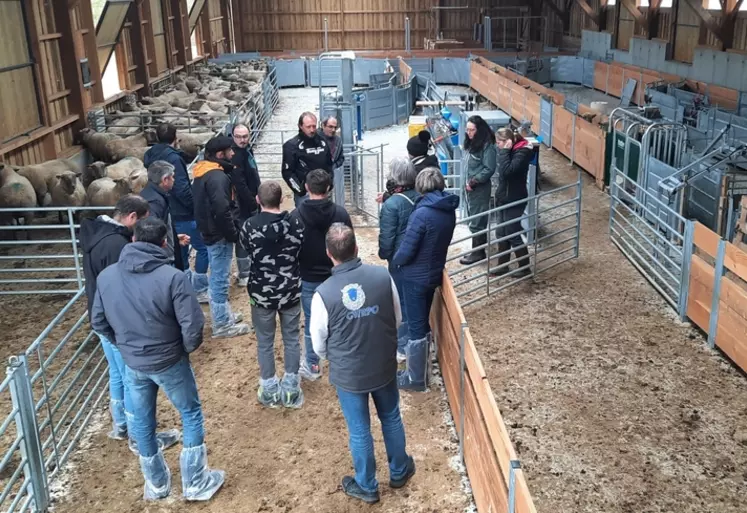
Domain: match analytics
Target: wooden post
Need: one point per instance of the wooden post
(226, 24)
(180, 41)
(147, 34)
(139, 57)
(207, 33)
(86, 17)
(71, 70)
(40, 71)
(673, 29)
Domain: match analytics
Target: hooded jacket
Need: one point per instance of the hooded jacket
(148, 309)
(420, 163)
(180, 200)
(317, 216)
(422, 255)
(512, 169)
(212, 196)
(273, 242)
(302, 155)
(245, 181)
(393, 218)
(101, 240)
(160, 207)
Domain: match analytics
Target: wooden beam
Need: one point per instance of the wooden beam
(723, 29)
(208, 49)
(139, 57)
(673, 29)
(226, 23)
(180, 40)
(71, 72)
(591, 13)
(652, 19)
(632, 8)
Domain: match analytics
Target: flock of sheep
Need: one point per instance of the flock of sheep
(198, 105)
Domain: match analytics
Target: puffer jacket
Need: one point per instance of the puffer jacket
(511, 172)
(393, 221)
(214, 211)
(422, 255)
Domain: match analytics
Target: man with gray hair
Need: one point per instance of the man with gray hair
(354, 318)
(156, 193)
(329, 133)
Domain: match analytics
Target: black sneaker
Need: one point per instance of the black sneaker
(352, 489)
(402, 481)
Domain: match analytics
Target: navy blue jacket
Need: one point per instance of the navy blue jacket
(422, 254)
(180, 200)
(393, 222)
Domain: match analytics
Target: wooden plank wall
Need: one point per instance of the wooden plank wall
(154, 43)
(488, 450)
(731, 329)
(520, 97)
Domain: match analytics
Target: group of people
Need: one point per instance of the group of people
(144, 302)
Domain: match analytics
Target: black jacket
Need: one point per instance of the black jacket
(301, 155)
(101, 240)
(213, 211)
(148, 309)
(245, 181)
(512, 168)
(421, 163)
(273, 242)
(180, 200)
(317, 216)
(160, 208)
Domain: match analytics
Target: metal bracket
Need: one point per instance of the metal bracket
(718, 273)
(514, 466)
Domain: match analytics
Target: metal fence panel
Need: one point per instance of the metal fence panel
(451, 70)
(656, 170)
(546, 122)
(420, 65)
(381, 79)
(363, 68)
(290, 73)
(404, 103)
(379, 108)
(566, 69)
(588, 73)
(331, 70)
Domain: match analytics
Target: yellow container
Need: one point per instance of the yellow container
(416, 124)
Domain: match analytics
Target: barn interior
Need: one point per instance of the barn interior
(609, 378)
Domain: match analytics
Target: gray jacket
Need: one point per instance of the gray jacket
(148, 309)
(354, 319)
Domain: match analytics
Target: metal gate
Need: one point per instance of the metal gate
(657, 242)
(546, 122)
(366, 181)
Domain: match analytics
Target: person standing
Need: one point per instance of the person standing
(181, 204)
(329, 133)
(480, 147)
(421, 259)
(514, 156)
(316, 214)
(304, 153)
(354, 319)
(393, 219)
(156, 193)
(142, 285)
(245, 182)
(272, 239)
(215, 220)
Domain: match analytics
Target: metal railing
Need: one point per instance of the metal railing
(552, 242)
(654, 237)
(51, 263)
(56, 386)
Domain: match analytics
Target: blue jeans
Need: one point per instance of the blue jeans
(199, 278)
(117, 387)
(178, 383)
(307, 293)
(402, 332)
(418, 306)
(355, 409)
(221, 255)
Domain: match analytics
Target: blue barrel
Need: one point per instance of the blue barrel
(444, 166)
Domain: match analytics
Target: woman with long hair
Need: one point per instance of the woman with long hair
(479, 146)
(514, 156)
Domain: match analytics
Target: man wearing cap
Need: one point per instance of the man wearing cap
(211, 190)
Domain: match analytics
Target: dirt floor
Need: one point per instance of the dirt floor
(613, 404)
(275, 460)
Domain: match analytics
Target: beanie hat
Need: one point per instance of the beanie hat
(218, 143)
(418, 146)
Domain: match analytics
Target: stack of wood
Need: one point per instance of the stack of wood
(442, 44)
(740, 234)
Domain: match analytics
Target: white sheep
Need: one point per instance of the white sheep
(16, 191)
(42, 177)
(95, 143)
(117, 148)
(105, 192)
(68, 191)
(130, 169)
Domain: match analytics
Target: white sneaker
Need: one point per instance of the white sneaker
(311, 373)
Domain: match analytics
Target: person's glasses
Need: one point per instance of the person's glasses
(334, 127)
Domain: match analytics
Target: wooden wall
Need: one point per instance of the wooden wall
(44, 101)
(282, 25)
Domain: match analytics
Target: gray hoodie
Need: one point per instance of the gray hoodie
(148, 309)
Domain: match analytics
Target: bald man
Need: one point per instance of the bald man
(245, 182)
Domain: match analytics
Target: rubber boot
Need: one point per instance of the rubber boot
(199, 483)
(414, 377)
(157, 477)
(290, 390)
(522, 259)
(231, 328)
(476, 255)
